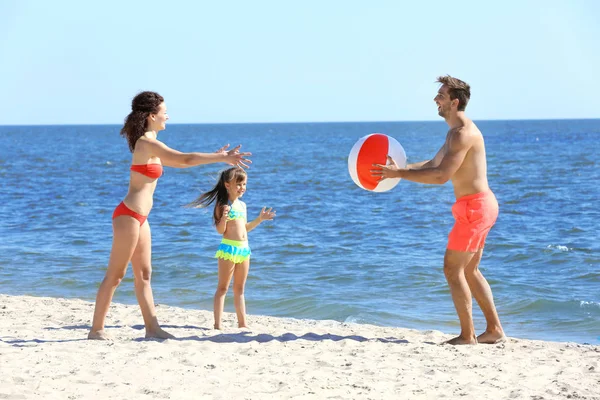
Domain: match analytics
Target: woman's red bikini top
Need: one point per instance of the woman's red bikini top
(153, 171)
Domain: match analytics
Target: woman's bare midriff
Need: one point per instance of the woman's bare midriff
(141, 192)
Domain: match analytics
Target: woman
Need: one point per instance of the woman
(131, 230)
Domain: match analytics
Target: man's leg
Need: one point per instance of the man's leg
(455, 263)
(483, 295)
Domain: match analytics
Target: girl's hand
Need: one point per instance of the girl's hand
(266, 215)
(225, 211)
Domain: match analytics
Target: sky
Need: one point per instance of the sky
(79, 62)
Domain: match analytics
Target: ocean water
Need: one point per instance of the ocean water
(334, 251)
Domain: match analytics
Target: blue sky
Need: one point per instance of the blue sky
(76, 62)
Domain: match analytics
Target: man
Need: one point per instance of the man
(461, 160)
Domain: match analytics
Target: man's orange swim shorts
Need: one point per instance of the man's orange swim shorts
(474, 216)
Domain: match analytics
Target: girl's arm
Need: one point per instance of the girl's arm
(222, 224)
(265, 215)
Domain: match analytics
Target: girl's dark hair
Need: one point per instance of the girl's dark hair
(218, 194)
(136, 122)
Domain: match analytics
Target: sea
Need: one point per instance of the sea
(334, 251)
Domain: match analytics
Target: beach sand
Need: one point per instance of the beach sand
(44, 354)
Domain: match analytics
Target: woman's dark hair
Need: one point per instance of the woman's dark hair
(136, 122)
(218, 194)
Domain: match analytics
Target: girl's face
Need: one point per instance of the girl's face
(236, 189)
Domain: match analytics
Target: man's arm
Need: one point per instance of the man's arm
(434, 162)
(419, 165)
(458, 145)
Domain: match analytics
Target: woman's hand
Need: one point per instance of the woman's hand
(234, 157)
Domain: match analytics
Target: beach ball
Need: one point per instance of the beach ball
(374, 149)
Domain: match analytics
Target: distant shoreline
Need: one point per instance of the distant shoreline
(311, 122)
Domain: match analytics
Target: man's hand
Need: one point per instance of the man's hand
(391, 170)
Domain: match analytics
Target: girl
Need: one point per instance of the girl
(131, 230)
(234, 253)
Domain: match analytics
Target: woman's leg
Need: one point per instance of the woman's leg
(240, 275)
(126, 232)
(141, 263)
(225, 273)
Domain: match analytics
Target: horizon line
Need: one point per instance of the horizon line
(308, 122)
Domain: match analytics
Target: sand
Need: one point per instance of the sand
(44, 354)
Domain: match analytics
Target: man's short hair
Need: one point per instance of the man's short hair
(457, 89)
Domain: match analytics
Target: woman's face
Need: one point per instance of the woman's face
(159, 120)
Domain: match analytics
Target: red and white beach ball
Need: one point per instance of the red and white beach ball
(374, 149)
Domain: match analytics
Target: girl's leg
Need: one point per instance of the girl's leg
(225, 273)
(141, 262)
(126, 231)
(240, 275)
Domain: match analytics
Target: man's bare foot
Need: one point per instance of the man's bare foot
(217, 327)
(461, 340)
(491, 337)
(99, 335)
(159, 334)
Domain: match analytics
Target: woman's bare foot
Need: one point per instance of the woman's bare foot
(99, 335)
(217, 327)
(491, 337)
(159, 334)
(461, 340)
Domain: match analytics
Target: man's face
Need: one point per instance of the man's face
(443, 102)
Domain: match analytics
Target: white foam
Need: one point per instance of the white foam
(588, 304)
(559, 247)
